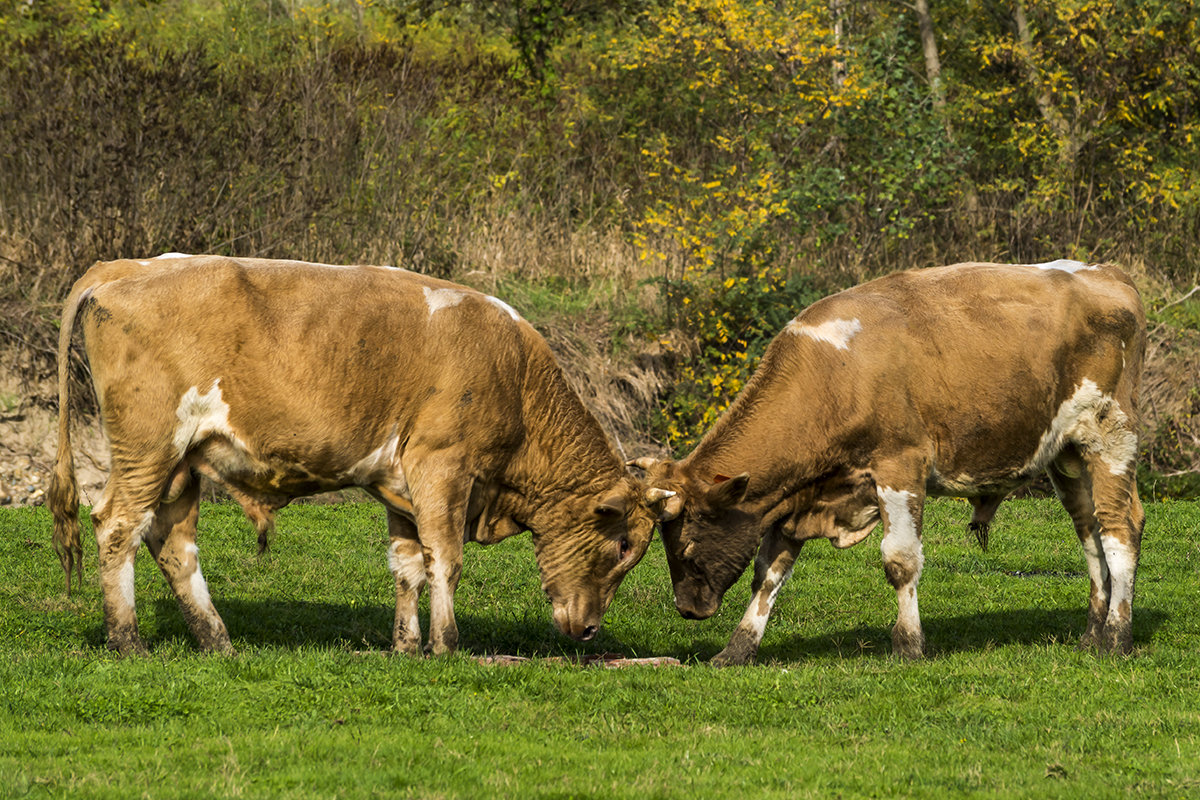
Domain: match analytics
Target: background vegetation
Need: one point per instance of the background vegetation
(311, 707)
(692, 172)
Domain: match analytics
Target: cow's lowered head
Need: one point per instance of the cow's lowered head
(597, 539)
(709, 536)
(711, 529)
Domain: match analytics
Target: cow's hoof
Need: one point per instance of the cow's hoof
(129, 646)
(1117, 640)
(733, 656)
(908, 645)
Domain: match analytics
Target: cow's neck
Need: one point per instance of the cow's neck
(784, 437)
(566, 453)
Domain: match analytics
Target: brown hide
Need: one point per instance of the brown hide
(966, 380)
(279, 379)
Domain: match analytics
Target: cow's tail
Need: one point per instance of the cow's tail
(63, 496)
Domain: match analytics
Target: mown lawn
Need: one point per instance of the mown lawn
(311, 707)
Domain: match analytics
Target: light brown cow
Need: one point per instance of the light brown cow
(278, 379)
(967, 380)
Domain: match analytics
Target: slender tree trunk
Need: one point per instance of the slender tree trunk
(1054, 118)
(933, 64)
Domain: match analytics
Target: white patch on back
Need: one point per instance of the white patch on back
(1095, 422)
(837, 332)
(201, 416)
(172, 255)
(1064, 265)
(505, 307)
(437, 299)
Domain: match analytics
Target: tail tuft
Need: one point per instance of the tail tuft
(63, 499)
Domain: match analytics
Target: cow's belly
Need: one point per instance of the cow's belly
(230, 464)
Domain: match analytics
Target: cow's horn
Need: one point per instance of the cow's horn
(644, 462)
(654, 494)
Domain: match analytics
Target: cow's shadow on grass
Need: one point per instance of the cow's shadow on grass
(301, 623)
(963, 633)
(298, 623)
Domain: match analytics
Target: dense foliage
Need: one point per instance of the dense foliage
(744, 156)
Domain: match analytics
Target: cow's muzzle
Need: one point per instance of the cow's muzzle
(581, 628)
(695, 604)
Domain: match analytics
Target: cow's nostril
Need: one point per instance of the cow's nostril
(589, 633)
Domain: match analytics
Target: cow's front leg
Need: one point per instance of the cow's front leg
(902, 561)
(1121, 519)
(441, 509)
(172, 541)
(772, 568)
(407, 563)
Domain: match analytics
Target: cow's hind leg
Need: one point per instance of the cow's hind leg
(984, 509)
(903, 559)
(772, 568)
(172, 541)
(407, 563)
(119, 528)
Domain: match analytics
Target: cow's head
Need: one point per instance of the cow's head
(709, 536)
(585, 545)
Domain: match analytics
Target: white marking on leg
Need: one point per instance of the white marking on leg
(902, 544)
(1094, 421)
(837, 332)
(196, 583)
(755, 619)
(125, 582)
(410, 569)
(1064, 265)
(437, 299)
(1119, 558)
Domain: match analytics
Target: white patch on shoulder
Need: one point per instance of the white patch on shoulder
(1064, 265)
(901, 540)
(837, 332)
(1095, 422)
(201, 416)
(505, 307)
(437, 299)
(172, 255)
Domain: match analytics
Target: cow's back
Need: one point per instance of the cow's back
(312, 362)
(978, 359)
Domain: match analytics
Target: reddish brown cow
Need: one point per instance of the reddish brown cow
(278, 379)
(968, 380)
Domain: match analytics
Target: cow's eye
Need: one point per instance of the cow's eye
(625, 548)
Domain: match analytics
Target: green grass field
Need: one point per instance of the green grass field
(311, 707)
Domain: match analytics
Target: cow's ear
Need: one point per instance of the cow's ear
(612, 506)
(729, 491)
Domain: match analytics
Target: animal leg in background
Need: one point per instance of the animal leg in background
(407, 563)
(172, 541)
